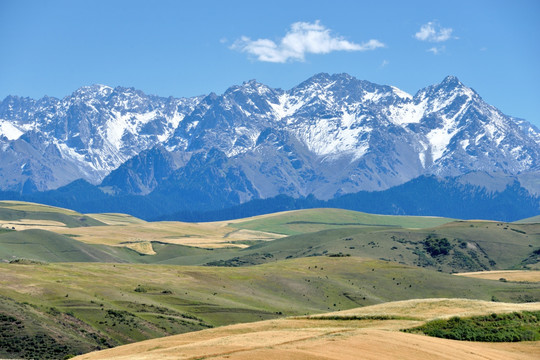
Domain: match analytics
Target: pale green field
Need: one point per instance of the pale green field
(312, 220)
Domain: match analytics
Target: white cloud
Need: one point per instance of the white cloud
(436, 50)
(384, 63)
(302, 38)
(433, 32)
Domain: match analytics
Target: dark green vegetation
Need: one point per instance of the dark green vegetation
(517, 326)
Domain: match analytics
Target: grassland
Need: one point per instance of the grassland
(308, 338)
(100, 280)
(206, 235)
(124, 303)
(472, 245)
(116, 219)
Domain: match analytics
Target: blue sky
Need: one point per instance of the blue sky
(187, 48)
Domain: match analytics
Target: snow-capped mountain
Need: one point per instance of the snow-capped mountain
(50, 142)
(330, 135)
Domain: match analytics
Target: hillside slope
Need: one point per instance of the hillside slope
(334, 339)
(125, 303)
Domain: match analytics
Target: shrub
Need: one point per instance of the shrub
(436, 247)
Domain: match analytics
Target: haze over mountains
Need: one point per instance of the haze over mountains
(329, 136)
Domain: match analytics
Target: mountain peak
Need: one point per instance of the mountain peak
(249, 87)
(452, 81)
(95, 90)
(449, 86)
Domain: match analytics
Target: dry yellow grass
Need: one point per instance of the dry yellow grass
(429, 309)
(308, 338)
(116, 219)
(28, 206)
(510, 275)
(25, 224)
(142, 247)
(206, 235)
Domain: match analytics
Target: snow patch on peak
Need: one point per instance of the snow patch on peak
(8, 130)
(439, 138)
(286, 106)
(401, 94)
(407, 113)
(120, 123)
(372, 96)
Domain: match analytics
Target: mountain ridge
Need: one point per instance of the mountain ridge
(329, 136)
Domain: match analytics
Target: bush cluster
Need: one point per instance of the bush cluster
(435, 246)
(517, 326)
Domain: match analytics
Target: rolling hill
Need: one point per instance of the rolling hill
(375, 334)
(437, 243)
(125, 303)
(74, 283)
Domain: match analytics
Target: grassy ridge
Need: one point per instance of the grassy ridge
(531, 220)
(326, 264)
(312, 220)
(15, 210)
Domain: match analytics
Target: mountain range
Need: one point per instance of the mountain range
(330, 136)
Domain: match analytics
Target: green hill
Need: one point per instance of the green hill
(85, 306)
(534, 219)
(18, 210)
(453, 247)
(312, 220)
(42, 245)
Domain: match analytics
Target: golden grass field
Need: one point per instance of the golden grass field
(205, 235)
(509, 275)
(312, 338)
(117, 219)
(28, 206)
(25, 224)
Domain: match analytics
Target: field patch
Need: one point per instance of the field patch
(505, 275)
(205, 235)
